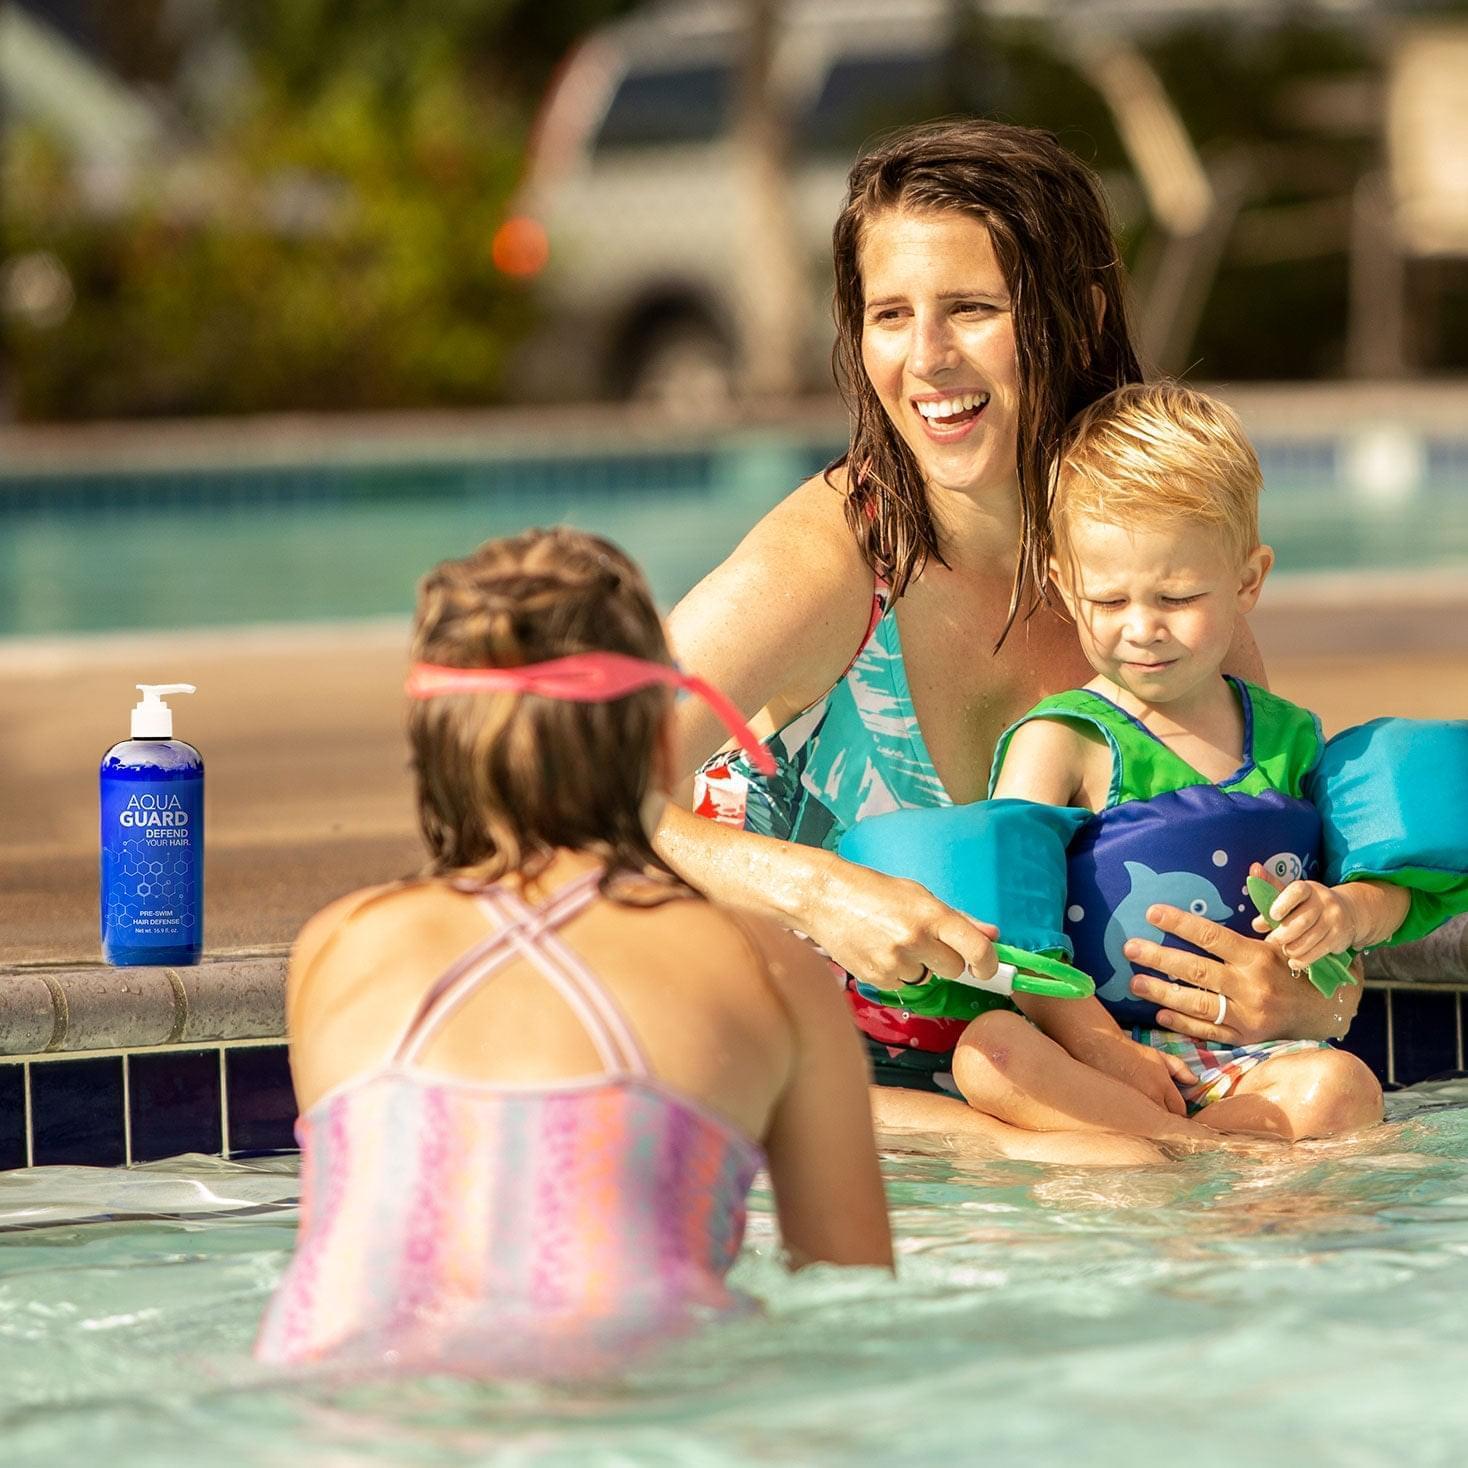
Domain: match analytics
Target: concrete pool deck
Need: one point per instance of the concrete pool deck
(308, 794)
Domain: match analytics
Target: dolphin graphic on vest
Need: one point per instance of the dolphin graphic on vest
(1186, 890)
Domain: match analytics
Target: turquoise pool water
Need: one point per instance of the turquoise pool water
(1291, 1308)
(185, 549)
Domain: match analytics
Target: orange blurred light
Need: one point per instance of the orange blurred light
(520, 248)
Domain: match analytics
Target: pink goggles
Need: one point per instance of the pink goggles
(587, 677)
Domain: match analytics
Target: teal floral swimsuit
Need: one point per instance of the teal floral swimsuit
(855, 752)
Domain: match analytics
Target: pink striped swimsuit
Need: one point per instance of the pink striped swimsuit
(509, 1230)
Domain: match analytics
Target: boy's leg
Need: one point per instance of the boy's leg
(895, 1109)
(1304, 1093)
(1009, 1070)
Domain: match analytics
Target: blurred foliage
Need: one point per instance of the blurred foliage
(328, 249)
(329, 245)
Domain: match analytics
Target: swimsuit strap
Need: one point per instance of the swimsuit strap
(485, 959)
(881, 588)
(574, 980)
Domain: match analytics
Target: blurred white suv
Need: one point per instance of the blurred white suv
(627, 220)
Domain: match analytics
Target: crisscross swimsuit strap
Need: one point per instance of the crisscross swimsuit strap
(523, 931)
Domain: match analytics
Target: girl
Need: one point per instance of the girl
(536, 1083)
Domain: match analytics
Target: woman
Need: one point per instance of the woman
(536, 1084)
(888, 620)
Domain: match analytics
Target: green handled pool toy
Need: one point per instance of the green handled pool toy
(1327, 974)
(1022, 972)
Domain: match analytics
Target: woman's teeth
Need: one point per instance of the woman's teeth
(946, 410)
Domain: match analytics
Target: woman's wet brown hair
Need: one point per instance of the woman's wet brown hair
(1051, 232)
(504, 780)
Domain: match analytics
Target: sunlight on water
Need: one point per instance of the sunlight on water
(1281, 1306)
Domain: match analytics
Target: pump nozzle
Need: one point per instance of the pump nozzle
(152, 718)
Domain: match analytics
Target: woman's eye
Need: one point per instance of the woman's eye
(973, 308)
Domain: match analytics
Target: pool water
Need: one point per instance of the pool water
(178, 550)
(1279, 1307)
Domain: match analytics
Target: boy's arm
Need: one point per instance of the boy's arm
(1379, 909)
(1045, 762)
(1084, 1029)
(1048, 761)
(1316, 921)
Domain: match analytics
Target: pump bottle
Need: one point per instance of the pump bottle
(152, 867)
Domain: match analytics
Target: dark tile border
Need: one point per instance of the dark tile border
(262, 1102)
(14, 1114)
(175, 1103)
(235, 1098)
(144, 1105)
(79, 1112)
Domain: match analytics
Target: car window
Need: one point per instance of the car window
(667, 105)
(866, 94)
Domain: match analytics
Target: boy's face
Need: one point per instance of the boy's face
(1156, 609)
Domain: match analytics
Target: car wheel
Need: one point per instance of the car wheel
(684, 369)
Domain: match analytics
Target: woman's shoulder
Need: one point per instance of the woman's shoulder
(778, 620)
(808, 528)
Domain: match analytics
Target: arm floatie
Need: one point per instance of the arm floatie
(1328, 973)
(1393, 801)
(1001, 861)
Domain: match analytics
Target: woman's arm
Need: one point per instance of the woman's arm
(774, 627)
(822, 1155)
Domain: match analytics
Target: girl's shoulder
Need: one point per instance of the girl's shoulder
(371, 919)
(807, 986)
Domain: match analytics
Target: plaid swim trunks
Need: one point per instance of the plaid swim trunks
(1218, 1068)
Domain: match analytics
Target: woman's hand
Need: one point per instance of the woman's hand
(1240, 995)
(889, 931)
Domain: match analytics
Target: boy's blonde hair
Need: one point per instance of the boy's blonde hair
(1155, 454)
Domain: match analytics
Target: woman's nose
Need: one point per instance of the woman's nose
(933, 347)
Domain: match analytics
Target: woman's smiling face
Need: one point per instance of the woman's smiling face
(938, 346)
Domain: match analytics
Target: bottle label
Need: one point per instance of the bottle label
(152, 860)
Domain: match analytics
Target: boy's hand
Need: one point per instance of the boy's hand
(1154, 1073)
(1315, 921)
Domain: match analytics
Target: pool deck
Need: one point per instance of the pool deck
(308, 795)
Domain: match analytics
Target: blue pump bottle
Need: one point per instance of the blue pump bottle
(152, 867)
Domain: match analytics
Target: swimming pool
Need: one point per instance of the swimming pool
(1297, 1307)
(85, 550)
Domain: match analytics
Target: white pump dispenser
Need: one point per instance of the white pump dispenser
(152, 718)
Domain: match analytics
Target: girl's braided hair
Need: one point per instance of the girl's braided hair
(505, 780)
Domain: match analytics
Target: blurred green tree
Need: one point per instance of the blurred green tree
(327, 249)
